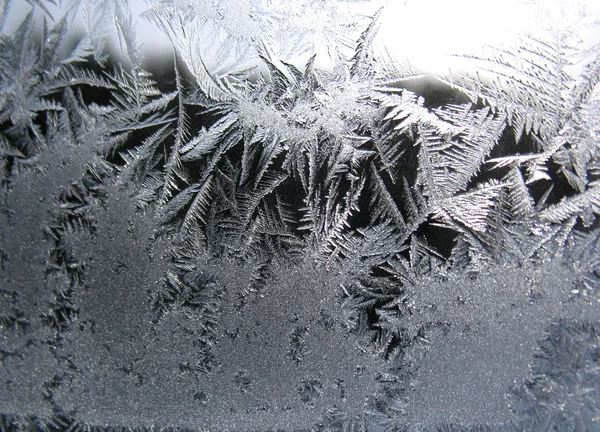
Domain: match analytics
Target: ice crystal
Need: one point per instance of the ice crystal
(286, 227)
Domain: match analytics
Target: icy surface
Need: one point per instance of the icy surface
(278, 225)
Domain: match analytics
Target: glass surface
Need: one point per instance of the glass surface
(315, 215)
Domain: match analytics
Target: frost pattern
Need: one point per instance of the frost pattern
(289, 207)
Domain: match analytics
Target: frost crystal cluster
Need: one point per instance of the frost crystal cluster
(279, 225)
